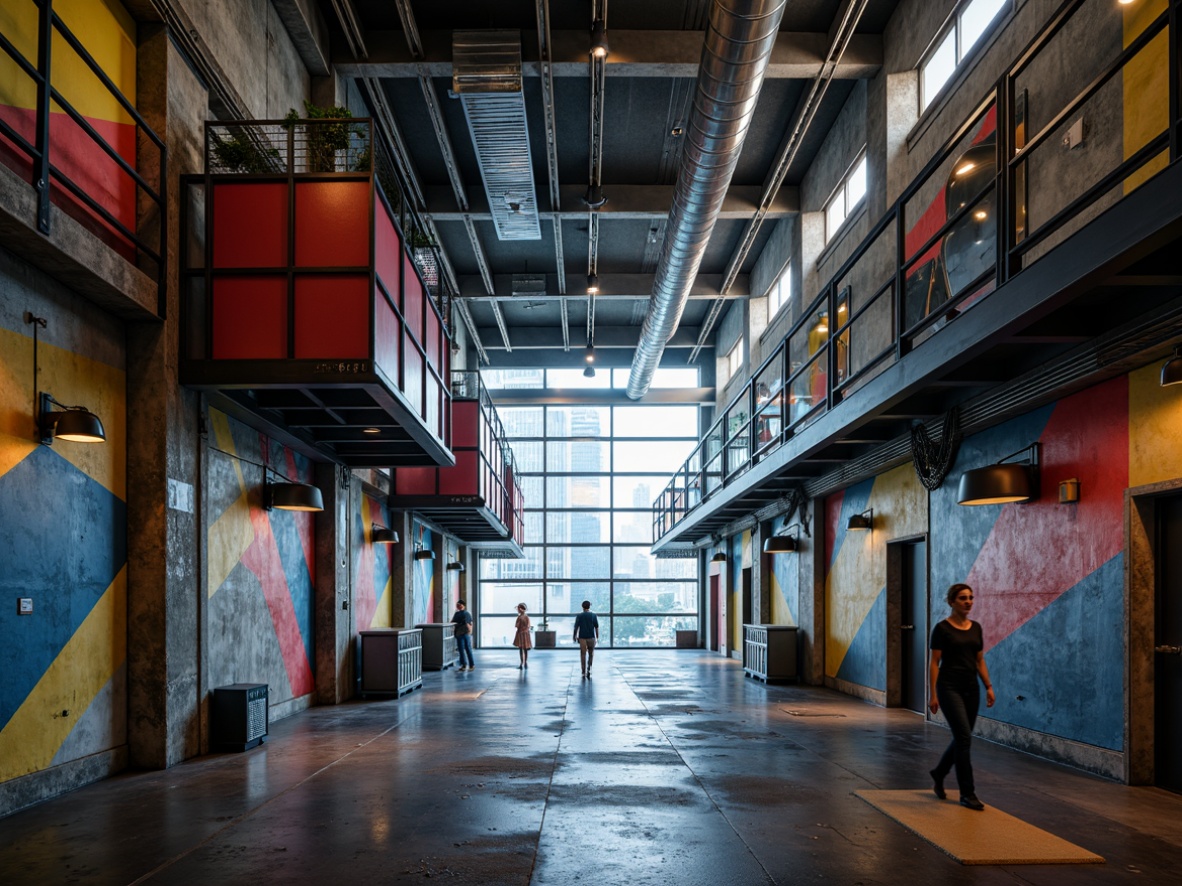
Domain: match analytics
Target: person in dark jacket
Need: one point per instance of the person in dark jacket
(958, 660)
(586, 635)
(462, 621)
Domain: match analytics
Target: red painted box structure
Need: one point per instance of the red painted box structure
(478, 500)
(303, 305)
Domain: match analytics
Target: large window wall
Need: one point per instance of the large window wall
(589, 476)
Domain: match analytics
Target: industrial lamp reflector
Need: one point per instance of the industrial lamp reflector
(383, 536)
(1001, 483)
(1171, 370)
(781, 544)
(73, 423)
(861, 522)
(294, 497)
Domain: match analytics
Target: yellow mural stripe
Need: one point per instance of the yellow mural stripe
(381, 616)
(98, 648)
(232, 532)
(781, 614)
(1155, 416)
(1145, 83)
(109, 35)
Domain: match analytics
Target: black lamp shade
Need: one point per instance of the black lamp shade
(78, 426)
(383, 536)
(425, 555)
(456, 566)
(994, 485)
(719, 557)
(1171, 371)
(295, 497)
(859, 522)
(780, 544)
(599, 48)
(589, 372)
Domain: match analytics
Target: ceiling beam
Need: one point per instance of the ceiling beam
(611, 286)
(634, 53)
(539, 338)
(623, 202)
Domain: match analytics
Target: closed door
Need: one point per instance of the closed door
(913, 624)
(1167, 668)
(719, 617)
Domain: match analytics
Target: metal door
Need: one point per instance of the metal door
(913, 623)
(1167, 669)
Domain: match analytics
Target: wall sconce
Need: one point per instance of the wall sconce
(74, 423)
(1003, 482)
(427, 554)
(292, 497)
(1069, 491)
(1171, 370)
(598, 39)
(455, 566)
(380, 535)
(784, 543)
(719, 557)
(861, 522)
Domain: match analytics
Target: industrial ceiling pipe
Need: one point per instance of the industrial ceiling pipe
(739, 42)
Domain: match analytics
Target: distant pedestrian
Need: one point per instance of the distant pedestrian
(586, 635)
(462, 620)
(522, 639)
(958, 659)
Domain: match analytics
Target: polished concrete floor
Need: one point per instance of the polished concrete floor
(666, 767)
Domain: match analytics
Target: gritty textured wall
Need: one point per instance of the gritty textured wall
(373, 583)
(422, 577)
(63, 535)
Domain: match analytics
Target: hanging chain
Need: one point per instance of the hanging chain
(932, 460)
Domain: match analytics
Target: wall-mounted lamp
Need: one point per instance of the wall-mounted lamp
(783, 542)
(426, 554)
(1003, 482)
(455, 566)
(1069, 491)
(1171, 370)
(599, 47)
(719, 557)
(380, 535)
(74, 423)
(861, 522)
(292, 497)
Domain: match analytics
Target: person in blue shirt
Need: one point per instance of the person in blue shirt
(586, 635)
(463, 631)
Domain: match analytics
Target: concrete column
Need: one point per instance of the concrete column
(403, 569)
(334, 585)
(811, 633)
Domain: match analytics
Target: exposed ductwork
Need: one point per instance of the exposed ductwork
(739, 42)
(487, 77)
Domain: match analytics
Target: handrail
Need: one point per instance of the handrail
(45, 173)
(691, 485)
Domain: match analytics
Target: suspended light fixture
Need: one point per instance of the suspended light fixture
(1002, 483)
(1171, 370)
(589, 354)
(383, 536)
(592, 284)
(594, 197)
(599, 48)
(861, 522)
(293, 497)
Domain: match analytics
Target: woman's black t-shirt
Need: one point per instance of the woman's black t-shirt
(958, 653)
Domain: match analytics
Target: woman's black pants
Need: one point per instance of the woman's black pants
(959, 705)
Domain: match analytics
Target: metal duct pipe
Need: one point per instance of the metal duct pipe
(739, 42)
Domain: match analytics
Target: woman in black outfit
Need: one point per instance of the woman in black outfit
(958, 658)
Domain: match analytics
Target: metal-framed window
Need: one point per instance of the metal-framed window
(846, 198)
(968, 24)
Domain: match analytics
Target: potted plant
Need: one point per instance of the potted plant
(326, 131)
(544, 638)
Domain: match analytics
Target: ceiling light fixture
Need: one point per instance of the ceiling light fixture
(599, 48)
(594, 197)
(1171, 370)
(1003, 482)
(592, 284)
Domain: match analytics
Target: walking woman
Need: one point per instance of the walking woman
(958, 659)
(522, 640)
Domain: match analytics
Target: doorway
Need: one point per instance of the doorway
(718, 613)
(907, 623)
(1167, 646)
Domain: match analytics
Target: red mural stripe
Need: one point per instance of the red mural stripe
(832, 519)
(262, 558)
(365, 602)
(305, 529)
(1038, 551)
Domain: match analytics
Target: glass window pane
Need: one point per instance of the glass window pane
(521, 421)
(974, 21)
(528, 454)
(564, 628)
(856, 184)
(656, 421)
(495, 631)
(637, 492)
(503, 379)
(576, 456)
(583, 527)
(669, 378)
(578, 492)
(658, 596)
(502, 597)
(937, 70)
(578, 563)
(568, 596)
(638, 563)
(632, 526)
(531, 491)
(533, 528)
(659, 631)
(665, 456)
(573, 378)
(834, 214)
(495, 568)
(578, 421)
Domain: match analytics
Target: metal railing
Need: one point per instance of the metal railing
(509, 504)
(1007, 200)
(34, 152)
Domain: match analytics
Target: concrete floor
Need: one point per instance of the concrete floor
(668, 767)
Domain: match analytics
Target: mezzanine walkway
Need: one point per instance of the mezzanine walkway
(668, 767)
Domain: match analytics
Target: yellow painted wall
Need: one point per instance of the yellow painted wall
(1155, 428)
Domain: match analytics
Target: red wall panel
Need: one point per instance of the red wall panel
(412, 299)
(332, 224)
(332, 317)
(388, 253)
(249, 225)
(462, 479)
(387, 337)
(465, 416)
(412, 367)
(250, 318)
(414, 481)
